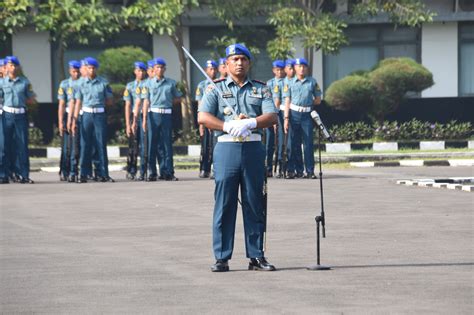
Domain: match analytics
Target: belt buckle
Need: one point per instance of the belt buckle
(241, 139)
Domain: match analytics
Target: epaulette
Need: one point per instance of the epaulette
(258, 81)
(219, 80)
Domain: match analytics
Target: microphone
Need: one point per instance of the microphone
(319, 123)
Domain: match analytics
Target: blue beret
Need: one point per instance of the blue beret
(151, 63)
(2, 62)
(237, 49)
(211, 64)
(140, 65)
(83, 62)
(290, 62)
(222, 61)
(89, 61)
(12, 59)
(74, 64)
(278, 64)
(301, 61)
(160, 61)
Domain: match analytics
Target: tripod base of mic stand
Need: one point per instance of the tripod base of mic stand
(318, 267)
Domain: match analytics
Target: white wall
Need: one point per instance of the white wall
(163, 47)
(34, 51)
(439, 53)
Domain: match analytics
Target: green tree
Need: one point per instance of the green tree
(380, 91)
(68, 21)
(165, 18)
(116, 64)
(14, 14)
(316, 23)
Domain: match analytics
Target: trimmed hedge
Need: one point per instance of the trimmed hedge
(394, 131)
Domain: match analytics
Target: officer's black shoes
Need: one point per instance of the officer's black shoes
(83, 179)
(152, 178)
(221, 265)
(279, 175)
(63, 178)
(130, 176)
(15, 178)
(140, 178)
(213, 176)
(104, 179)
(171, 178)
(4, 180)
(312, 176)
(203, 174)
(269, 173)
(161, 177)
(24, 180)
(260, 264)
(290, 175)
(72, 179)
(299, 175)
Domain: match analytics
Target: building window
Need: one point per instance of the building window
(367, 46)
(6, 47)
(466, 62)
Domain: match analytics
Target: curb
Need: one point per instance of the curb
(453, 183)
(467, 162)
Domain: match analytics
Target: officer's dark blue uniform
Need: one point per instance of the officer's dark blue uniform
(302, 94)
(132, 93)
(3, 174)
(93, 94)
(160, 94)
(16, 92)
(238, 161)
(276, 85)
(208, 138)
(66, 94)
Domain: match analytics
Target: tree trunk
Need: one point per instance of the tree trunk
(186, 110)
(61, 60)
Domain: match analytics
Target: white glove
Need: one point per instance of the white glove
(229, 126)
(244, 126)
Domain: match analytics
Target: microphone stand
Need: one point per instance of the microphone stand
(320, 219)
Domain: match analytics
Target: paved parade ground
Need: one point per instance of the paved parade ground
(135, 247)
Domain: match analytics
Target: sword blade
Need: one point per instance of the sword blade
(209, 80)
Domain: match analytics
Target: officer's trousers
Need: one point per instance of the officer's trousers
(238, 165)
(206, 151)
(76, 146)
(269, 147)
(141, 149)
(3, 160)
(16, 143)
(94, 127)
(160, 140)
(302, 130)
(66, 151)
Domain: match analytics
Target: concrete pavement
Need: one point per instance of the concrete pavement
(146, 247)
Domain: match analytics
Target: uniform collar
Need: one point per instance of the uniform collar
(302, 81)
(229, 80)
(14, 80)
(160, 80)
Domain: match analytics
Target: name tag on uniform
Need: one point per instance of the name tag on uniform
(227, 95)
(256, 95)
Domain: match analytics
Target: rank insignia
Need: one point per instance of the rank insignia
(30, 88)
(318, 88)
(137, 90)
(125, 93)
(285, 88)
(276, 89)
(60, 91)
(198, 91)
(144, 90)
(69, 91)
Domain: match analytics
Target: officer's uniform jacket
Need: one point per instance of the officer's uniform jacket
(302, 92)
(253, 99)
(93, 92)
(161, 93)
(16, 92)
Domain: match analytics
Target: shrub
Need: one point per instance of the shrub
(415, 130)
(386, 131)
(380, 91)
(456, 130)
(352, 131)
(115, 113)
(116, 64)
(35, 136)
